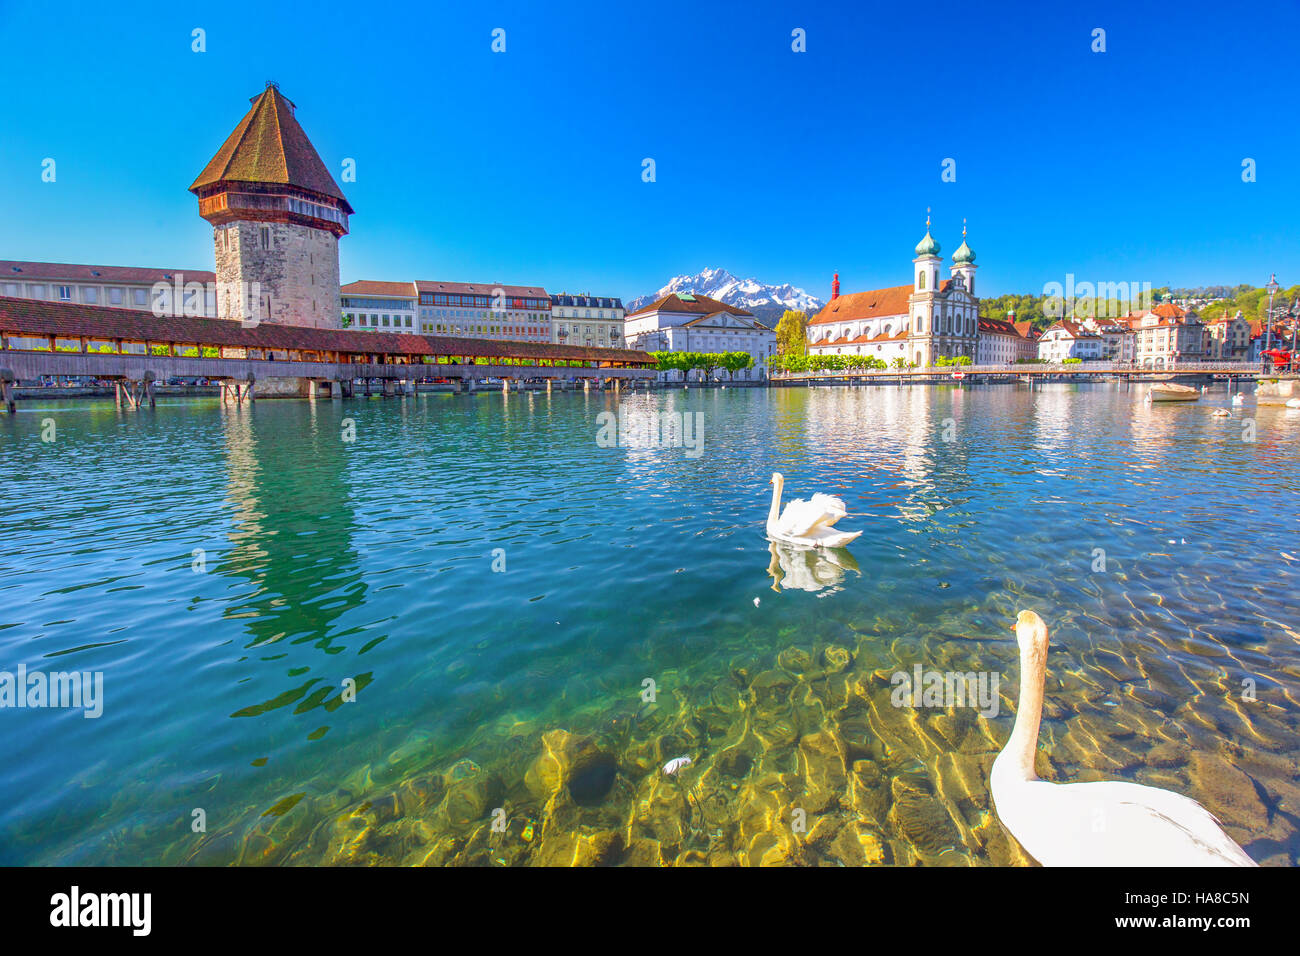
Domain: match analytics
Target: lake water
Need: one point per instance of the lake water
(316, 650)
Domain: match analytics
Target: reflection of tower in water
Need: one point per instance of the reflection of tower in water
(292, 523)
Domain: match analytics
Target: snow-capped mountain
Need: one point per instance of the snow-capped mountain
(767, 302)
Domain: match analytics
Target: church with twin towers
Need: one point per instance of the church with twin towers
(933, 317)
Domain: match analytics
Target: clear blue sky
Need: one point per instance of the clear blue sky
(526, 166)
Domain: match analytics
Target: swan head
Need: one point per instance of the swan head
(777, 478)
(1031, 634)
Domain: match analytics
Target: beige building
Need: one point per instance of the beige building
(122, 287)
(380, 306)
(1165, 335)
(1228, 338)
(587, 320)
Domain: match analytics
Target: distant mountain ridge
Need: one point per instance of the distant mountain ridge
(767, 302)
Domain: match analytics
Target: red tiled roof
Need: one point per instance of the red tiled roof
(15, 270)
(865, 305)
(999, 326)
(1026, 329)
(368, 287)
(482, 288)
(34, 317)
(1073, 329)
(871, 304)
(698, 304)
(268, 146)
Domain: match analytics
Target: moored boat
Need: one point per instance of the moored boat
(1173, 392)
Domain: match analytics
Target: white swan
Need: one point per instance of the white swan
(1239, 399)
(807, 522)
(1108, 823)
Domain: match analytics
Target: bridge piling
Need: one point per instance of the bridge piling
(7, 390)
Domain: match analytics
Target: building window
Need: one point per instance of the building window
(140, 296)
(114, 296)
(90, 294)
(64, 292)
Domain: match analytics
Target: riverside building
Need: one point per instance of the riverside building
(474, 310)
(687, 322)
(120, 287)
(587, 320)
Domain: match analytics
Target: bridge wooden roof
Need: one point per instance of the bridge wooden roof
(37, 317)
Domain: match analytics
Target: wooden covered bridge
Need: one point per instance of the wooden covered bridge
(136, 349)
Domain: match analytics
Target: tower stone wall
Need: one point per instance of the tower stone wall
(291, 270)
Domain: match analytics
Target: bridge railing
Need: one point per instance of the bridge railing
(1031, 368)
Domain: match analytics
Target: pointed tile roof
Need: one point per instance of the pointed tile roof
(268, 146)
(690, 302)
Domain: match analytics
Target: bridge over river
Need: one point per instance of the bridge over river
(137, 349)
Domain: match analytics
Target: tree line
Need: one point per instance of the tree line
(704, 362)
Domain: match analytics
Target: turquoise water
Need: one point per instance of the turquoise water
(322, 560)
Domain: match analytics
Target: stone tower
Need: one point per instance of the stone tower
(277, 216)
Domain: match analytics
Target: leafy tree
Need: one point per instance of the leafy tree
(792, 333)
(734, 362)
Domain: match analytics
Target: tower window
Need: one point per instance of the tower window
(266, 236)
(920, 280)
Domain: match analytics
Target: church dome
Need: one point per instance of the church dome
(964, 254)
(927, 246)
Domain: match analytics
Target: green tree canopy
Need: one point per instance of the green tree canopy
(792, 333)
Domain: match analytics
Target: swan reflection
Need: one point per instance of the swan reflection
(794, 567)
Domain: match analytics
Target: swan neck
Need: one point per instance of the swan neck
(774, 512)
(1021, 747)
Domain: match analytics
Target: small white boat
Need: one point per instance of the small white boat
(1172, 392)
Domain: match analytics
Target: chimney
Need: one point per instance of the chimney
(835, 287)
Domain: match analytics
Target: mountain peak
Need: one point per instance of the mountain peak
(767, 302)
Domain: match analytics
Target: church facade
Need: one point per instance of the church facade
(932, 318)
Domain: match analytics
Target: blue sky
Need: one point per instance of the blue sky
(526, 166)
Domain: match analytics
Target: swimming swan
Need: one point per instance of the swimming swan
(1108, 823)
(807, 522)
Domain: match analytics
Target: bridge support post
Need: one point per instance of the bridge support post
(586, 385)
(149, 388)
(548, 386)
(505, 386)
(389, 388)
(7, 390)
